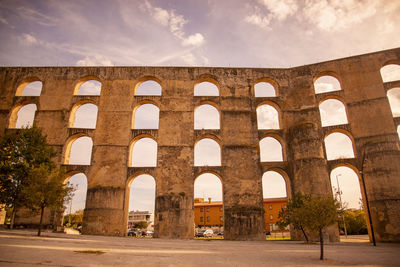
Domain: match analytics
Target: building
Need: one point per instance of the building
(138, 216)
(211, 214)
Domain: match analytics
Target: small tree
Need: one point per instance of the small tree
(46, 190)
(292, 214)
(141, 225)
(20, 152)
(318, 214)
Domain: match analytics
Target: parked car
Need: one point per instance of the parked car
(134, 232)
(147, 233)
(205, 233)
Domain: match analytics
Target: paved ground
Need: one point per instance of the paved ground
(23, 248)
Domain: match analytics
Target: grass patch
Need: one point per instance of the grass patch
(96, 252)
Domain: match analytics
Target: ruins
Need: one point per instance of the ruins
(371, 127)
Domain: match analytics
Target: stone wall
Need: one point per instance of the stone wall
(305, 166)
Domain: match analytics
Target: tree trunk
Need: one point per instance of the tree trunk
(12, 218)
(304, 233)
(321, 242)
(41, 220)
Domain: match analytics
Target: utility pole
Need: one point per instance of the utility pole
(341, 204)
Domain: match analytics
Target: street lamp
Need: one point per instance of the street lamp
(366, 196)
(341, 204)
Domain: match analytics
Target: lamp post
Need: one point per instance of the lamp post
(366, 197)
(341, 204)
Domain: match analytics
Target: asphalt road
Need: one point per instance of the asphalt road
(23, 248)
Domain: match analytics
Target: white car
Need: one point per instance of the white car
(205, 233)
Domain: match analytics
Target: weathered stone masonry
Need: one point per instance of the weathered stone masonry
(305, 166)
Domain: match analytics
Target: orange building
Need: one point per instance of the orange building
(211, 214)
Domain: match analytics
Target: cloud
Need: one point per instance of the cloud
(94, 60)
(175, 23)
(338, 15)
(258, 20)
(280, 9)
(28, 39)
(36, 16)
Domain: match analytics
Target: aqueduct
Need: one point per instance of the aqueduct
(304, 165)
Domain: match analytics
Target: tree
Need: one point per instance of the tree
(141, 225)
(319, 213)
(312, 213)
(46, 189)
(355, 222)
(292, 214)
(75, 219)
(20, 152)
(27, 171)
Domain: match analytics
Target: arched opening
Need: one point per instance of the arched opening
(264, 89)
(208, 205)
(275, 198)
(270, 150)
(326, 84)
(267, 117)
(143, 152)
(146, 116)
(78, 150)
(74, 209)
(390, 73)
(207, 152)
(206, 89)
(23, 116)
(88, 87)
(206, 117)
(398, 131)
(333, 112)
(84, 115)
(142, 195)
(346, 189)
(148, 87)
(338, 146)
(394, 101)
(29, 88)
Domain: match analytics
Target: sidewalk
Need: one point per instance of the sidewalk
(24, 248)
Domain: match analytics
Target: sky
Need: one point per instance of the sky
(236, 33)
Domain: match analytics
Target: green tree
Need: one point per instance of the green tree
(46, 189)
(355, 222)
(318, 214)
(292, 214)
(75, 219)
(141, 225)
(312, 213)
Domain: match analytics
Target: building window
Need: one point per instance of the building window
(270, 207)
(208, 209)
(221, 218)
(220, 209)
(208, 219)
(201, 209)
(201, 219)
(271, 217)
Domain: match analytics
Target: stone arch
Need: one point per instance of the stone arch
(390, 71)
(327, 81)
(345, 178)
(343, 139)
(139, 114)
(274, 142)
(149, 160)
(213, 147)
(75, 109)
(263, 84)
(208, 116)
(393, 96)
(268, 116)
(206, 86)
(148, 192)
(69, 146)
(93, 88)
(80, 182)
(283, 188)
(148, 81)
(22, 115)
(208, 186)
(26, 82)
(329, 118)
